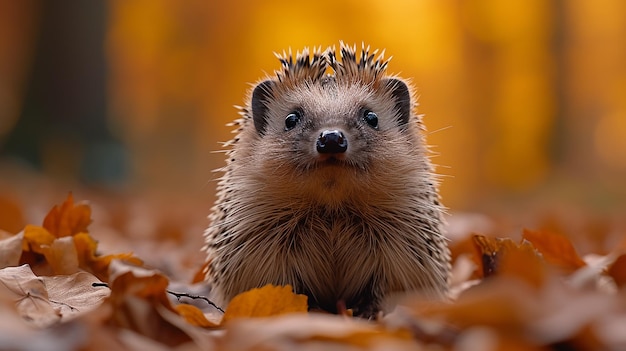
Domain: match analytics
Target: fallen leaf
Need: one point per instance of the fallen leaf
(89, 260)
(194, 316)
(556, 249)
(200, 274)
(68, 219)
(44, 301)
(501, 302)
(313, 331)
(522, 262)
(61, 256)
(11, 250)
(267, 301)
(30, 294)
(36, 237)
(137, 295)
(617, 271)
(75, 294)
(489, 251)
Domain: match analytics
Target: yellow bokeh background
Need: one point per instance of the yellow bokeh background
(524, 100)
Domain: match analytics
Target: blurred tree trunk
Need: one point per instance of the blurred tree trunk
(62, 128)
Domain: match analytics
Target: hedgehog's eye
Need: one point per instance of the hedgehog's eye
(371, 119)
(292, 120)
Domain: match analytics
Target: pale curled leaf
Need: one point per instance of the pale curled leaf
(30, 294)
(11, 250)
(44, 301)
(75, 294)
(61, 255)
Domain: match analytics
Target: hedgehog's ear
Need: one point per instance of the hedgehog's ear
(402, 97)
(260, 97)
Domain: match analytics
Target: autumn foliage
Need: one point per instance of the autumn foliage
(534, 293)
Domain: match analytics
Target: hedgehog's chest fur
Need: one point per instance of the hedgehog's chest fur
(349, 255)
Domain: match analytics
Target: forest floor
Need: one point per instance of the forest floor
(89, 269)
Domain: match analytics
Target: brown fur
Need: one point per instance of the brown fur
(354, 228)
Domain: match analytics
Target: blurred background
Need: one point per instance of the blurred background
(524, 100)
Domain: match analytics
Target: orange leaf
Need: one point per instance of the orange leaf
(142, 283)
(523, 262)
(489, 250)
(556, 249)
(68, 219)
(85, 248)
(200, 275)
(503, 256)
(499, 303)
(194, 316)
(617, 271)
(267, 301)
(99, 265)
(35, 238)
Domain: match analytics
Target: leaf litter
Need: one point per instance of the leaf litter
(532, 293)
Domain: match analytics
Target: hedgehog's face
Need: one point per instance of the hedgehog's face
(328, 137)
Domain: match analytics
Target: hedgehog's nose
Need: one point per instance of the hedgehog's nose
(332, 142)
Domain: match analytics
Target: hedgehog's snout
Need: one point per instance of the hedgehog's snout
(332, 142)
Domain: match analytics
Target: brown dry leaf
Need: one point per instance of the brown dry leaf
(44, 301)
(88, 259)
(68, 219)
(30, 294)
(556, 249)
(11, 250)
(617, 271)
(66, 254)
(489, 251)
(194, 316)
(45, 255)
(137, 295)
(500, 302)
(267, 301)
(523, 263)
(487, 339)
(61, 256)
(75, 294)
(312, 331)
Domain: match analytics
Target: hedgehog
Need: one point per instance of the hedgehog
(328, 187)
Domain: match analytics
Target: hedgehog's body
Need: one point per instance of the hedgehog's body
(328, 188)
